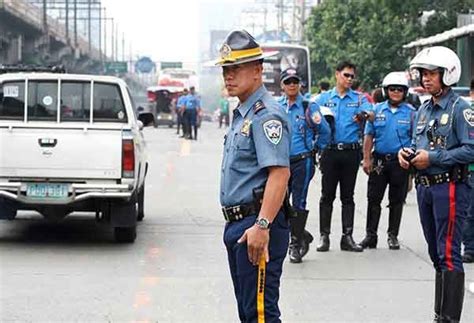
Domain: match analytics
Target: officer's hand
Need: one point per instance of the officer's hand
(403, 157)
(257, 243)
(422, 159)
(367, 166)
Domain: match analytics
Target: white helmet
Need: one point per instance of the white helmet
(442, 57)
(394, 78)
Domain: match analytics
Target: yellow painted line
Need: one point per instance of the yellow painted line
(153, 252)
(141, 299)
(185, 148)
(150, 281)
(261, 290)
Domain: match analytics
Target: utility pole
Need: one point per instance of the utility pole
(89, 27)
(67, 22)
(75, 23)
(113, 40)
(123, 47)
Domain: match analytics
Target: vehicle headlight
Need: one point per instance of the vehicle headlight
(170, 117)
(159, 117)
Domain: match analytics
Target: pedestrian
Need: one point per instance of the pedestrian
(180, 107)
(254, 178)
(310, 132)
(389, 132)
(443, 146)
(468, 232)
(224, 109)
(340, 161)
(191, 113)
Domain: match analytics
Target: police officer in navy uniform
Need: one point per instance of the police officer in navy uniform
(389, 132)
(191, 112)
(180, 107)
(310, 132)
(443, 145)
(340, 160)
(255, 174)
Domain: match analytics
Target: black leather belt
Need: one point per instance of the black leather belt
(301, 156)
(342, 146)
(386, 157)
(238, 212)
(430, 180)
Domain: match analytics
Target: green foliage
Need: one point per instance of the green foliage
(371, 33)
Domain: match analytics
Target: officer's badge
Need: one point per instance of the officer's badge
(245, 130)
(225, 51)
(469, 116)
(273, 131)
(444, 119)
(316, 117)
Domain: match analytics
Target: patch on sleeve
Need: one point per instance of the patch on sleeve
(469, 116)
(471, 134)
(273, 130)
(316, 117)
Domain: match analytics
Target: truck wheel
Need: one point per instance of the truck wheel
(141, 204)
(125, 234)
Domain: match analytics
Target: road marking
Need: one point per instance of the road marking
(185, 148)
(150, 281)
(471, 288)
(141, 299)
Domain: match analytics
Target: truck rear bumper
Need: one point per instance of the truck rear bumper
(16, 191)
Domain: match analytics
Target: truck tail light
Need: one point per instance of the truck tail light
(128, 158)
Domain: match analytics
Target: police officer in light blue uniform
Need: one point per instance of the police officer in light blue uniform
(255, 173)
(191, 112)
(443, 146)
(180, 107)
(389, 132)
(340, 160)
(309, 132)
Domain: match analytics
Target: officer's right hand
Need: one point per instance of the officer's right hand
(257, 244)
(403, 155)
(367, 166)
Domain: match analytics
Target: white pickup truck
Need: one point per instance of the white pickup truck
(71, 143)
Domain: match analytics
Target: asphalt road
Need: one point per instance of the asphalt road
(176, 271)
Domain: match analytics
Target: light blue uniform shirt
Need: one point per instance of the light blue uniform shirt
(455, 133)
(344, 108)
(192, 102)
(305, 126)
(181, 102)
(256, 140)
(391, 130)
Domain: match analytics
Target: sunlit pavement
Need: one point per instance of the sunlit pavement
(177, 271)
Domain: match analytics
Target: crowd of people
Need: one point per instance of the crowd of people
(273, 147)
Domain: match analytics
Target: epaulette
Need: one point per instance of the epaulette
(258, 106)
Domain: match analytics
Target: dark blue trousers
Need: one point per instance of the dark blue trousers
(257, 287)
(302, 171)
(468, 233)
(443, 209)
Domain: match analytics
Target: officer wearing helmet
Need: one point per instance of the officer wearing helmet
(389, 132)
(310, 132)
(254, 178)
(442, 147)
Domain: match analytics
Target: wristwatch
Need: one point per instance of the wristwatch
(263, 223)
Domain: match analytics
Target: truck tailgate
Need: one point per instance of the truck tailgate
(61, 153)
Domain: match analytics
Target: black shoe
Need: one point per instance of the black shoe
(323, 243)
(369, 242)
(305, 242)
(294, 253)
(393, 242)
(348, 244)
(468, 258)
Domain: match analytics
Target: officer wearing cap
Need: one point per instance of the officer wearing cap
(254, 178)
(340, 160)
(389, 132)
(443, 145)
(309, 132)
(192, 107)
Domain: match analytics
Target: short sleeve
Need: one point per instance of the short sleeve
(365, 105)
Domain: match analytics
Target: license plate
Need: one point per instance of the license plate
(47, 190)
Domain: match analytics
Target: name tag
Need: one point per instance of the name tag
(330, 105)
(403, 121)
(352, 105)
(380, 117)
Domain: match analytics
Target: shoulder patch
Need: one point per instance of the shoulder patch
(273, 130)
(258, 106)
(469, 116)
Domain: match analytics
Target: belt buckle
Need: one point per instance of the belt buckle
(226, 216)
(425, 181)
(388, 157)
(340, 146)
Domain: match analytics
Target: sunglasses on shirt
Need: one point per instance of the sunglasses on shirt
(396, 88)
(291, 81)
(348, 75)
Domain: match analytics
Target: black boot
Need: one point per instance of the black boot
(437, 302)
(305, 242)
(452, 296)
(297, 225)
(394, 219)
(325, 213)
(347, 242)
(294, 251)
(373, 217)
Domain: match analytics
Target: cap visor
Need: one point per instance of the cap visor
(218, 62)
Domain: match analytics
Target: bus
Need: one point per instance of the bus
(289, 55)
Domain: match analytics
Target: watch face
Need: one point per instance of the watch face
(263, 223)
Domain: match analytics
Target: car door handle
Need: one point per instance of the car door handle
(47, 142)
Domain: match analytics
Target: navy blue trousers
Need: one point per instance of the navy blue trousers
(468, 233)
(257, 287)
(302, 171)
(443, 209)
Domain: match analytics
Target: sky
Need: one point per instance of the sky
(170, 30)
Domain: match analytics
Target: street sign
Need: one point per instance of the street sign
(144, 65)
(116, 67)
(171, 65)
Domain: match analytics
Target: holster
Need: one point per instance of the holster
(286, 207)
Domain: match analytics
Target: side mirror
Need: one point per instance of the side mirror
(146, 119)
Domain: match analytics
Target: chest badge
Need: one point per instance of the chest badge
(444, 119)
(273, 131)
(245, 130)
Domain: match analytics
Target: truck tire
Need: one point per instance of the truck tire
(141, 204)
(125, 234)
